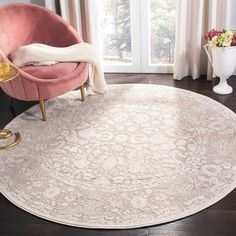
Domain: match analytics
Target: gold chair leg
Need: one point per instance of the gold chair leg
(82, 92)
(43, 110)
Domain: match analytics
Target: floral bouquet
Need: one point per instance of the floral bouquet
(224, 38)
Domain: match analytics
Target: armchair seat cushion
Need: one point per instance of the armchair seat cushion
(51, 72)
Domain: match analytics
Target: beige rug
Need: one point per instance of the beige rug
(139, 155)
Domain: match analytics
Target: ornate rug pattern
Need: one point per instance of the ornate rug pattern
(139, 155)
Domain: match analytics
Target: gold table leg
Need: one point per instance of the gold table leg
(7, 73)
(4, 134)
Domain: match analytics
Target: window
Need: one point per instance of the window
(136, 35)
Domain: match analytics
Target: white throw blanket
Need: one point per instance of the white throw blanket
(41, 54)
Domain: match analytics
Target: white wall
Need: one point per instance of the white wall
(232, 22)
(39, 2)
(4, 2)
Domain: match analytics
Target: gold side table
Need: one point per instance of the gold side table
(7, 73)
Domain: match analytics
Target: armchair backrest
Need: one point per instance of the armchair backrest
(22, 24)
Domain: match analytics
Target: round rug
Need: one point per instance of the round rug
(139, 155)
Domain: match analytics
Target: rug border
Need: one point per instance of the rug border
(185, 214)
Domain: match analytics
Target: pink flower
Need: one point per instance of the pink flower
(212, 33)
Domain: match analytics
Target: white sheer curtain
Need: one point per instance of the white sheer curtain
(70, 10)
(78, 14)
(194, 19)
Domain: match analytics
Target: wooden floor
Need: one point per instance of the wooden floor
(217, 220)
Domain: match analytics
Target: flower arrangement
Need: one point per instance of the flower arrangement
(224, 38)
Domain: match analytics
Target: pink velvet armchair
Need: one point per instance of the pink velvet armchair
(22, 24)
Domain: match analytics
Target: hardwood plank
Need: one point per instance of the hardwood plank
(217, 220)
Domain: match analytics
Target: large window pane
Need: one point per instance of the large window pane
(162, 31)
(116, 32)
